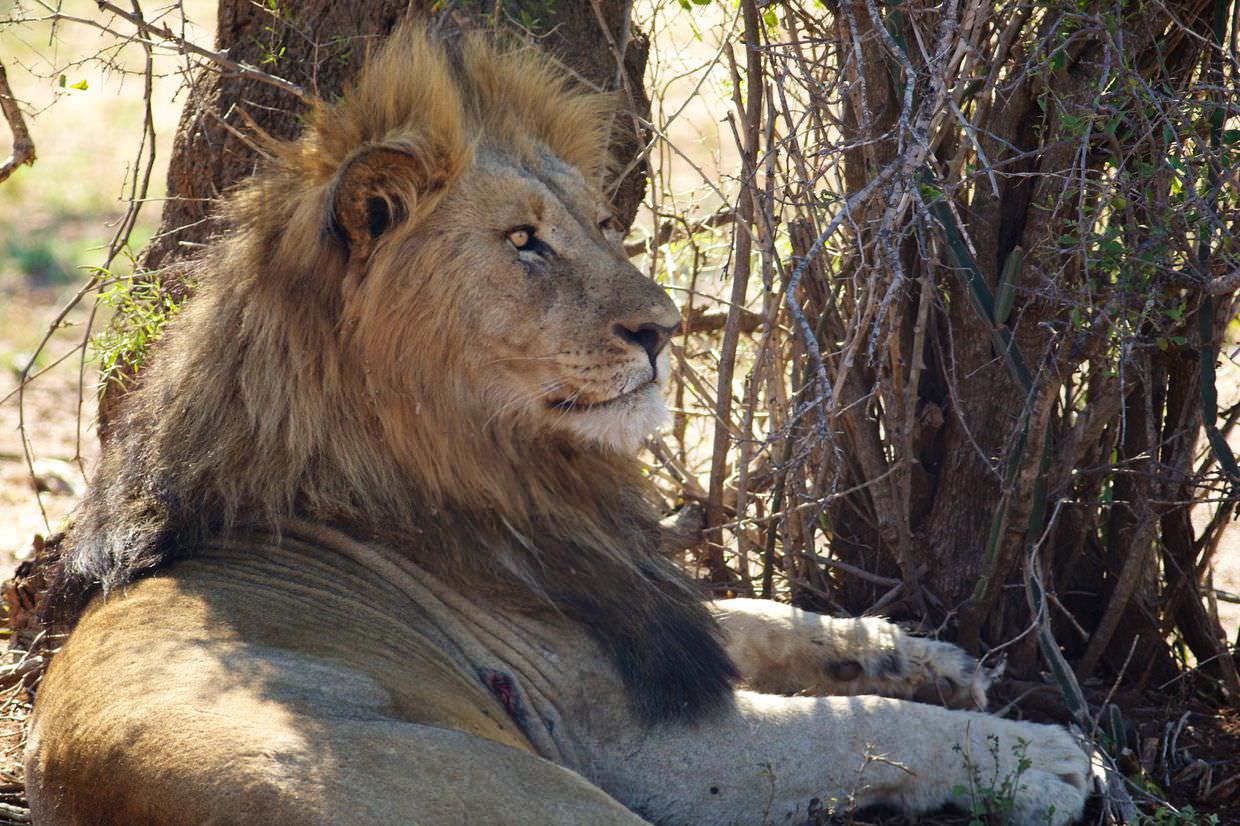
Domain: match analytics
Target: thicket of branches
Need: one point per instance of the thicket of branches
(982, 266)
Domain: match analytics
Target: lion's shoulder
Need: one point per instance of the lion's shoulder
(315, 616)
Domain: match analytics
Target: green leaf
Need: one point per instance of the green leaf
(81, 85)
(1007, 285)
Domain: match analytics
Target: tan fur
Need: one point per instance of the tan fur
(380, 383)
(406, 416)
(782, 650)
(372, 545)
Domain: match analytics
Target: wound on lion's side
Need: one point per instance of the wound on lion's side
(504, 688)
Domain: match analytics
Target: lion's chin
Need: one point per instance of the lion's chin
(620, 424)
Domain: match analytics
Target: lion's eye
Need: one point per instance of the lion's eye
(522, 238)
(525, 240)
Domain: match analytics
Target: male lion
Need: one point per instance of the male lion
(371, 546)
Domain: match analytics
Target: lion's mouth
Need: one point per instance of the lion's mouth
(574, 404)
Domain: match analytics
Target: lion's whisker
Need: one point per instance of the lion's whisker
(547, 357)
(545, 392)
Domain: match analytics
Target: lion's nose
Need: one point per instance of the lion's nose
(650, 337)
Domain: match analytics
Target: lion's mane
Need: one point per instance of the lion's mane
(295, 384)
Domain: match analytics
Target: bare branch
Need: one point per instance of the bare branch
(166, 37)
(23, 145)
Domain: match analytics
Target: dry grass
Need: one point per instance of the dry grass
(14, 709)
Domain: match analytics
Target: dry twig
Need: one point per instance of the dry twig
(23, 145)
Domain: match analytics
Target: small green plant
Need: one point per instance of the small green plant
(141, 307)
(991, 801)
(1167, 816)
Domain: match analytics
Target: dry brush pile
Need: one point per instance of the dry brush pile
(982, 267)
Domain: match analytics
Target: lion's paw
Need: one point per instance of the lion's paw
(1036, 774)
(942, 673)
(781, 650)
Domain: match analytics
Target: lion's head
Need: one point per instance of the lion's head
(509, 287)
(417, 329)
(473, 249)
(442, 231)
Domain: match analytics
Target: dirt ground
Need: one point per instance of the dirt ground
(50, 418)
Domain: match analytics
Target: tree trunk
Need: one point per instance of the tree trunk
(1006, 229)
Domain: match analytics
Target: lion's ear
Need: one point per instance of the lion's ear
(377, 188)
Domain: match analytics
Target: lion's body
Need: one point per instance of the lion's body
(372, 546)
(297, 682)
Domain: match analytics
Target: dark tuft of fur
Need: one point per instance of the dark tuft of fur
(674, 667)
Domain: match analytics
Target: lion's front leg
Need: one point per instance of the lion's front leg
(779, 649)
(772, 759)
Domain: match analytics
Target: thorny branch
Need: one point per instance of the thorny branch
(148, 35)
(160, 35)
